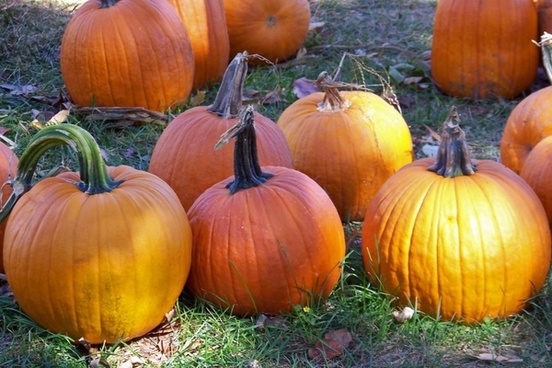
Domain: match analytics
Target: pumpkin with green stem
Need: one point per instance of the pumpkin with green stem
(455, 238)
(184, 157)
(350, 142)
(266, 239)
(128, 53)
(8, 165)
(531, 120)
(102, 254)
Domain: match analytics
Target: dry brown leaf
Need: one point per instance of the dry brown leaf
(332, 345)
(303, 87)
(492, 357)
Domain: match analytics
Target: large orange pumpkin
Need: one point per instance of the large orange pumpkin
(204, 21)
(273, 29)
(8, 166)
(102, 254)
(350, 142)
(484, 49)
(530, 121)
(265, 240)
(537, 172)
(184, 156)
(458, 239)
(132, 53)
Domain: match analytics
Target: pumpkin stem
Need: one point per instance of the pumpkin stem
(453, 156)
(332, 98)
(247, 170)
(546, 47)
(93, 171)
(228, 101)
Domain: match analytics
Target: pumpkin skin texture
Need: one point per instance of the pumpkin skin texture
(8, 165)
(460, 248)
(531, 120)
(273, 29)
(203, 20)
(184, 154)
(350, 151)
(133, 53)
(268, 247)
(477, 54)
(107, 265)
(537, 172)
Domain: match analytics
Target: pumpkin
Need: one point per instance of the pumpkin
(458, 239)
(8, 165)
(350, 142)
(266, 239)
(544, 11)
(203, 20)
(484, 49)
(530, 120)
(272, 29)
(537, 172)
(130, 53)
(113, 254)
(183, 155)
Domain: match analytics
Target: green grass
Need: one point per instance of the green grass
(370, 42)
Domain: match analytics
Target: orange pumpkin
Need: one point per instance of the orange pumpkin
(350, 142)
(114, 253)
(265, 240)
(203, 20)
(530, 121)
(184, 156)
(484, 49)
(537, 172)
(132, 53)
(458, 239)
(544, 10)
(273, 29)
(8, 165)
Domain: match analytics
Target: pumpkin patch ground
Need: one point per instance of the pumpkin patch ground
(381, 47)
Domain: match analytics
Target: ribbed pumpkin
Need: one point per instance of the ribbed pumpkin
(544, 10)
(265, 240)
(132, 53)
(273, 29)
(102, 254)
(459, 239)
(530, 120)
(184, 156)
(8, 167)
(537, 172)
(484, 49)
(350, 142)
(204, 21)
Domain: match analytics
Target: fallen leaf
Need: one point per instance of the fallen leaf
(332, 345)
(303, 87)
(492, 357)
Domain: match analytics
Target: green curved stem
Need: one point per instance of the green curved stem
(546, 47)
(247, 170)
(453, 156)
(228, 101)
(92, 169)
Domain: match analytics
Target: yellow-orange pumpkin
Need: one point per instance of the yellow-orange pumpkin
(484, 49)
(102, 254)
(184, 156)
(266, 239)
(273, 29)
(458, 239)
(349, 142)
(8, 166)
(204, 21)
(132, 53)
